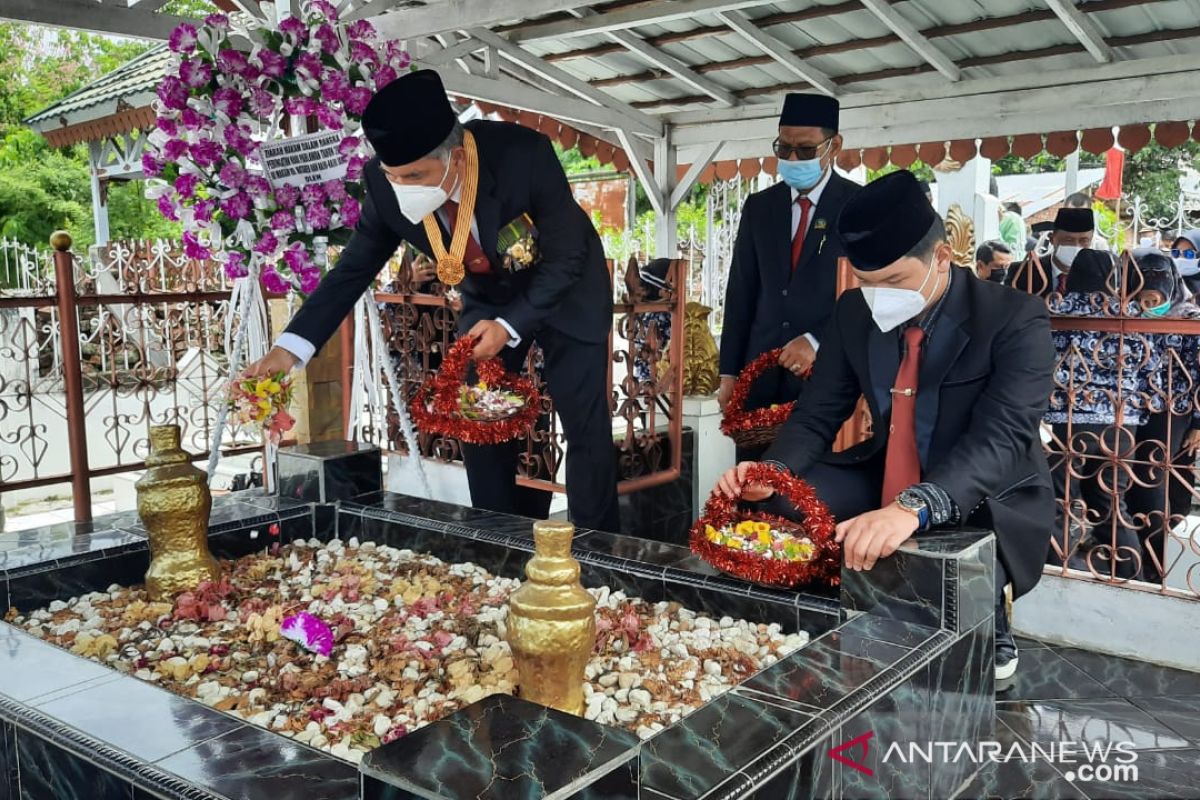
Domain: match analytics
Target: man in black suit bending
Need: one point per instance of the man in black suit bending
(783, 279)
(432, 178)
(957, 374)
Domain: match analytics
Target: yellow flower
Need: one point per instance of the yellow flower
(264, 406)
(745, 527)
(762, 527)
(765, 536)
(518, 251)
(711, 533)
(266, 387)
(805, 551)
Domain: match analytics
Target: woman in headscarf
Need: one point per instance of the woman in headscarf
(1185, 252)
(1096, 405)
(1161, 498)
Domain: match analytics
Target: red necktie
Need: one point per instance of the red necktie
(801, 230)
(1062, 284)
(902, 467)
(475, 259)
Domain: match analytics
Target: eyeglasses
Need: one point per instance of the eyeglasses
(784, 152)
(1177, 253)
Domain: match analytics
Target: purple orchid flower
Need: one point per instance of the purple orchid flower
(300, 106)
(166, 207)
(218, 22)
(236, 206)
(335, 191)
(239, 140)
(362, 53)
(283, 221)
(349, 146)
(195, 73)
(203, 209)
(308, 65)
(172, 93)
(309, 279)
(174, 149)
(206, 153)
(167, 125)
(258, 186)
(183, 39)
(334, 84)
(267, 243)
(151, 166)
(318, 217)
(287, 196)
(328, 38)
(312, 195)
(193, 249)
(228, 100)
(360, 29)
(325, 9)
(262, 102)
(235, 266)
(330, 117)
(277, 284)
(234, 62)
(294, 29)
(273, 64)
(383, 76)
(350, 211)
(232, 175)
(186, 185)
(191, 119)
(357, 99)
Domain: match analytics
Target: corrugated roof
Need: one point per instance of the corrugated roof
(130, 85)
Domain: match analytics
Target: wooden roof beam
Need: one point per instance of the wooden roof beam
(650, 12)
(913, 38)
(777, 50)
(1083, 28)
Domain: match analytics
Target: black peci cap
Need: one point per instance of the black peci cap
(407, 119)
(883, 220)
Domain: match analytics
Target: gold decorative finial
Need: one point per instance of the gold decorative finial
(552, 622)
(960, 235)
(174, 504)
(60, 241)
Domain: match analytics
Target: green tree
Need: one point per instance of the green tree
(1152, 174)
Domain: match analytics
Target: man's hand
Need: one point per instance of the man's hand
(492, 338)
(726, 391)
(274, 362)
(733, 485)
(1191, 442)
(423, 270)
(869, 537)
(798, 356)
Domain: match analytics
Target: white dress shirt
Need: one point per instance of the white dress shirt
(304, 350)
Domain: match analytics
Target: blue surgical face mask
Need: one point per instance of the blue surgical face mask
(802, 175)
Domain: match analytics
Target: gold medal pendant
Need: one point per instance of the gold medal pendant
(450, 268)
(450, 271)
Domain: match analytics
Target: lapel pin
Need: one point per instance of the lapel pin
(819, 225)
(821, 246)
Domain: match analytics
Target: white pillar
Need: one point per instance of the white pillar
(968, 187)
(99, 193)
(1072, 174)
(714, 450)
(665, 156)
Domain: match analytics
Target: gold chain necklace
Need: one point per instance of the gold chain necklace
(450, 269)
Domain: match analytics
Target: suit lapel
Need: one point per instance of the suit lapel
(487, 212)
(776, 268)
(948, 341)
(883, 360)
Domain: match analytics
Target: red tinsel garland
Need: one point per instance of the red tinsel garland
(737, 418)
(445, 417)
(818, 525)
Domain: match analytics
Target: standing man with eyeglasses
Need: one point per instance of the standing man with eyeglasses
(783, 279)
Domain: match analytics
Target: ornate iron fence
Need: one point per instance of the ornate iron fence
(95, 349)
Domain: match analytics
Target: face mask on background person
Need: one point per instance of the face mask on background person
(801, 175)
(1065, 254)
(418, 201)
(998, 274)
(1187, 266)
(1159, 310)
(891, 307)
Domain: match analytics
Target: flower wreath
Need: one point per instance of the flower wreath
(219, 103)
(437, 407)
(820, 564)
(750, 428)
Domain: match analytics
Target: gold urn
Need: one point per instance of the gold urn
(552, 622)
(174, 504)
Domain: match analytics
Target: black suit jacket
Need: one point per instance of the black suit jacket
(984, 384)
(766, 303)
(570, 289)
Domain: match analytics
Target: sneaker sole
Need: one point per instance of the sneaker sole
(1006, 671)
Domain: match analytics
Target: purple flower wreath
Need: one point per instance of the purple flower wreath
(220, 103)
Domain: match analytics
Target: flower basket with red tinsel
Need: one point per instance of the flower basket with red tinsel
(754, 428)
(500, 407)
(768, 549)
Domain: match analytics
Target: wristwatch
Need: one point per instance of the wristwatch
(913, 503)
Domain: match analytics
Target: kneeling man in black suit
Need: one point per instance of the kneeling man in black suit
(957, 373)
(448, 190)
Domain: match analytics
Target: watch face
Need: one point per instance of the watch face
(911, 502)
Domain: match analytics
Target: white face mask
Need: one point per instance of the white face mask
(1065, 254)
(891, 307)
(417, 202)
(1188, 266)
